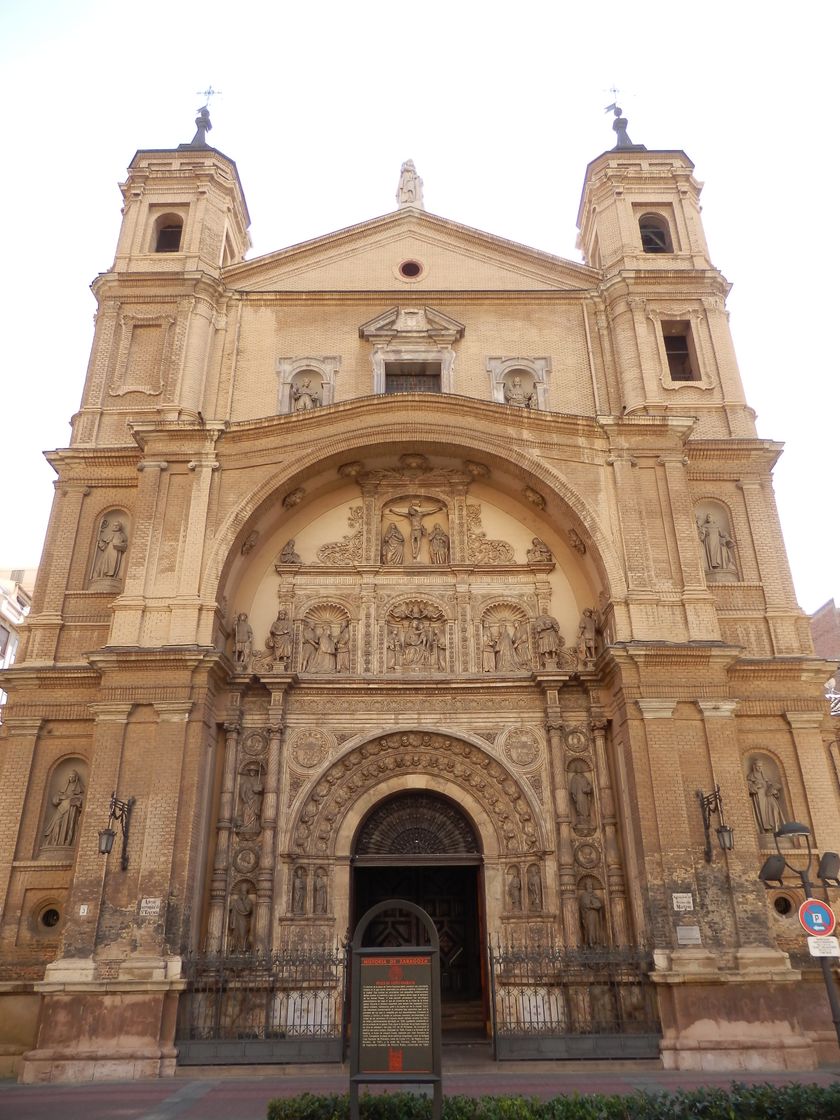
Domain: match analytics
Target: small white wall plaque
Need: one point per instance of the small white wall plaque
(150, 907)
(688, 935)
(824, 946)
(682, 902)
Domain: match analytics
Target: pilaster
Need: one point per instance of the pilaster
(18, 754)
(820, 783)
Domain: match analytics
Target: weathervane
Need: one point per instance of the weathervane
(207, 94)
(620, 124)
(202, 121)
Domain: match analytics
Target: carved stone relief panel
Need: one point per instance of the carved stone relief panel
(414, 530)
(412, 753)
(505, 639)
(350, 549)
(309, 748)
(481, 550)
(326, 640)
(523, 747)
(415, 637)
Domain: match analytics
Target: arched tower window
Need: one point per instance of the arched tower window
(168, 230)
(655, 234)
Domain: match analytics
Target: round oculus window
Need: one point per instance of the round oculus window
(50, 917)
(782, 905)
(410, 269)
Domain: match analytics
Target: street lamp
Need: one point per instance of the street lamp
(713, 803)
(120, 811)
(828, 871)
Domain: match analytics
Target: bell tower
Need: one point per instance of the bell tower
(162, 315)
(664, 315)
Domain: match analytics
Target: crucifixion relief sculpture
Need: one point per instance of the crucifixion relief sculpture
(414, 513)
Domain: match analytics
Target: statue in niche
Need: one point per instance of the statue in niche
(111, 546)
(488, 651)
(549, 640)
(521, 644)
(539, 552)
(416, 638)
(580, 792)
(514, 890)
(319, 892)
(393, 545)
(766, 797)
(342, 649)
(410, 188)
(60, 831)
(718, 546)
(299, 891)
(414, 513)
(279, 639)
(304, 396)
(438, 545)
(534, 889)
(504, 651)
(239, 921)
(243, 641)
(251, 790)
(518, 394)
(591, 910)
(587, 635)
(287, 554)
(325, 655)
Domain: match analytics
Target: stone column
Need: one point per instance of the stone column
(782, 610)
(746, 894)
(224, 824)
(615, 871)
(563, 817)
(85, 902)
(820, 783)
(47, 618)
(128, 609)
(265, 875)
(19, 751)
(162, 800)
(701, 616)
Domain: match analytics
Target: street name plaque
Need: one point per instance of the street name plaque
(395, 1011)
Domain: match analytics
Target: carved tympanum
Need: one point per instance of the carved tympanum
(416, 824)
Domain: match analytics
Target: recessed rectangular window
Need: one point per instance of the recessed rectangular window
(679, 350)
(412, 377)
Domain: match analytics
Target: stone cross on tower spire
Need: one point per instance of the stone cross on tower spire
(410, 189)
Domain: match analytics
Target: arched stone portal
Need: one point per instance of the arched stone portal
(421, 846)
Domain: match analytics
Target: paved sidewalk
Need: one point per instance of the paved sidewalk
(242, 1093)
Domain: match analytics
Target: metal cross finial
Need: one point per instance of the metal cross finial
(207, 94)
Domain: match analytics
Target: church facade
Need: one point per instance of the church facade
(411, 562)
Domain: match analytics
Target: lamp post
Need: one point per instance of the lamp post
(713, 803)
(827, 871)
(120, 811)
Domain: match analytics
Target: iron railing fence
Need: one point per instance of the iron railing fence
(555, 1001)
(285, 1005)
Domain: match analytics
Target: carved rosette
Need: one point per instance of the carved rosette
(413, 753)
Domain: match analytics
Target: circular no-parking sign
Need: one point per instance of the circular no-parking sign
(817, 918)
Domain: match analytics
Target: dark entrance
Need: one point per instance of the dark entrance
(420, 847)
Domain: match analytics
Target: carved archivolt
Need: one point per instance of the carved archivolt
(464, 768)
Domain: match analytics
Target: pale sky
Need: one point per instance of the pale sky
(501, 108)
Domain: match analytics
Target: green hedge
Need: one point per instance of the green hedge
(739, 1102)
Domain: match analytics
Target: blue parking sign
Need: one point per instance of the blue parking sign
(816, 918)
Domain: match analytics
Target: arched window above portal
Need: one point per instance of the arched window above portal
(416, 824)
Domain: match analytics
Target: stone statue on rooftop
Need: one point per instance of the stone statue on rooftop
(410, 190)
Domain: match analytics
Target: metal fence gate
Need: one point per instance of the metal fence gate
(555, 1002)
(278, 1007)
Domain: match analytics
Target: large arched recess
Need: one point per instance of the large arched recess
(377, 426)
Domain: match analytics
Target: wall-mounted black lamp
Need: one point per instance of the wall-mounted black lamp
(713, 803)
(119, 811)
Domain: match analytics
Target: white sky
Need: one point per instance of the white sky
(500, 107)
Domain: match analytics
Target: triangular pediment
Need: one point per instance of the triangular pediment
(368, 257)
(412, 323)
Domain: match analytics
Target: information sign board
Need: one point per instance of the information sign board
(824, 946)
(817, 917)
(396, 1013)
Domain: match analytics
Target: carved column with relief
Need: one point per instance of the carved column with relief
(563, 815)
(615, 872)
(265, 874)
(224, 824)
